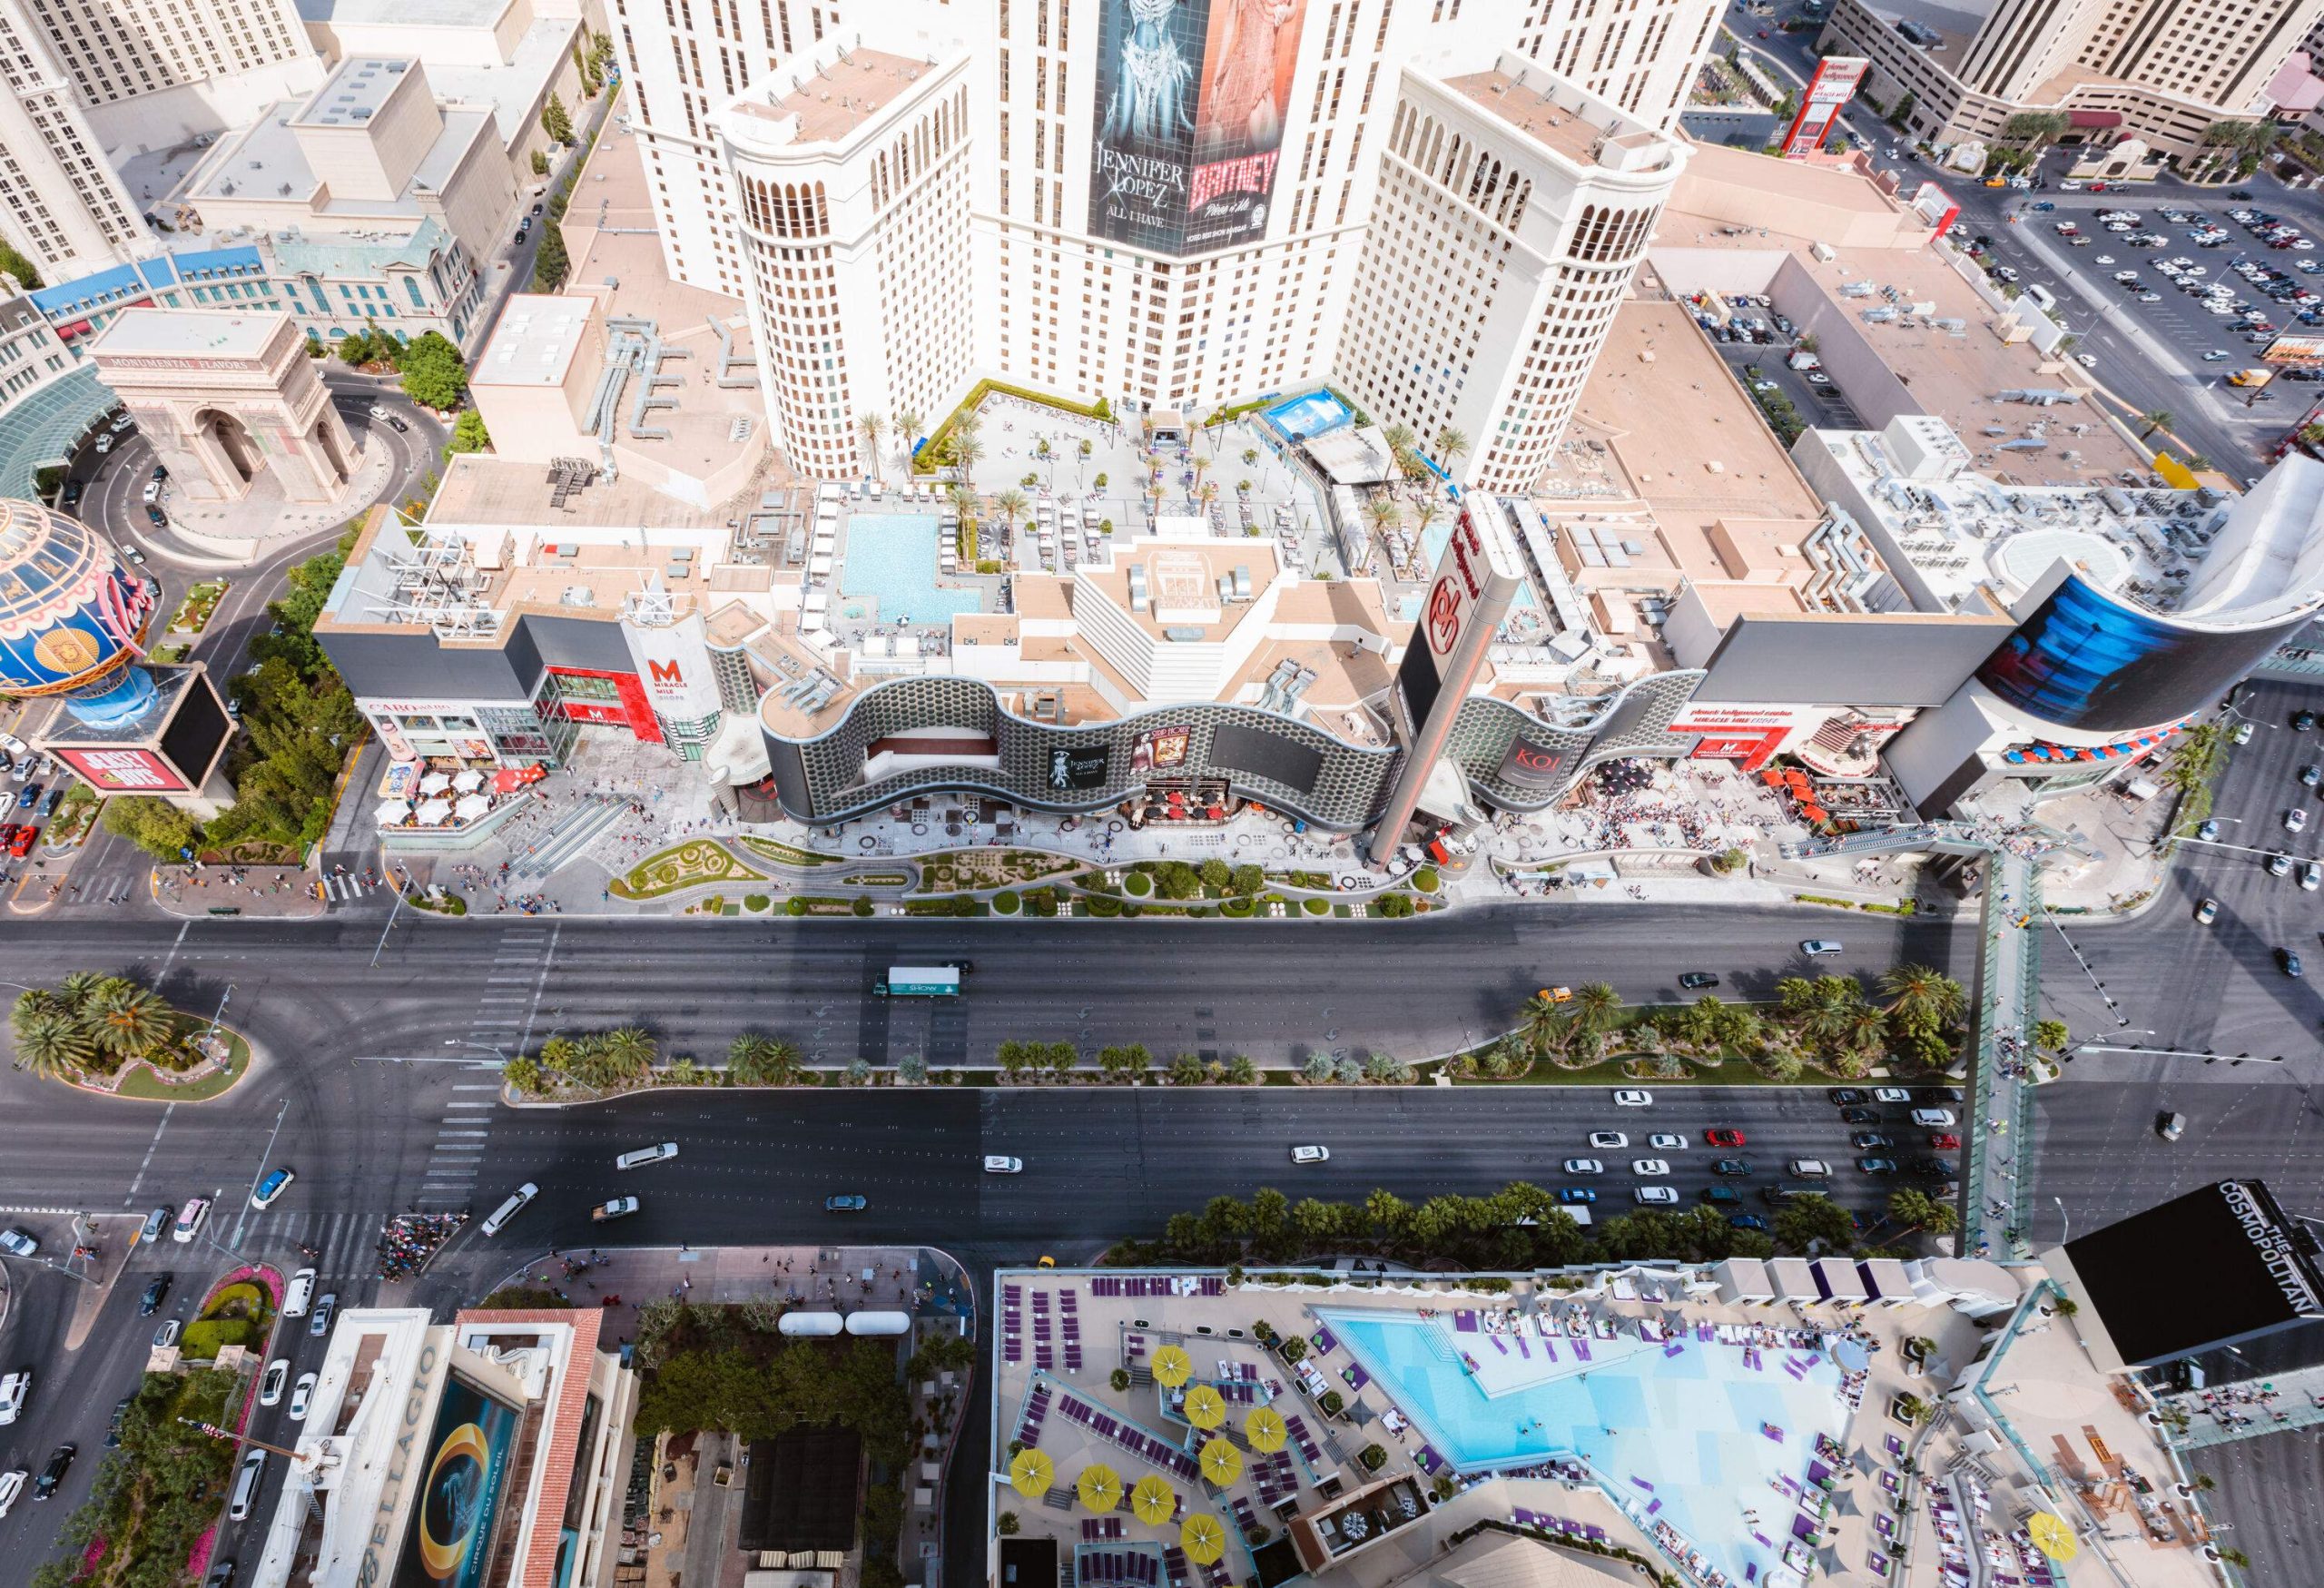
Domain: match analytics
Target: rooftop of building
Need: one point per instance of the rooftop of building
(355, 92)
(406, 13)
(265, 163)
(1172, 589)
(1549, 112)
(188, 332)
(1651, 1409)
(535, 342)
(838, 91)
(1792, 184)
(1964, 529)
(484, 490)
(515, 87)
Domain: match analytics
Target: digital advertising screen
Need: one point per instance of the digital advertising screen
(463, 1472)
(1079, 766)
(1247, 65)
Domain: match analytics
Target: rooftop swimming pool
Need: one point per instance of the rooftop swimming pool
(1311, 415)
(1677, 1433)
(891, 559)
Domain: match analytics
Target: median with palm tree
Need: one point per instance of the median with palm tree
(107, 1033)
(1828, 1024)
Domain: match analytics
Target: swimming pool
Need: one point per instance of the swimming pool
(891, 559)
(1675, 1438)
(1310, 415)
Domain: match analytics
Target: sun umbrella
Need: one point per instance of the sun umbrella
(1153, 1501)
(392, 812)
(1031, 1473)
(435, 783)
(1173, 1367)
(2052, 1537)
(471, 807)
(435, 813)
(1099, 1487)
(1265, 1427)
(468, 782)
(1204, 1407)
(1222, 1464)
(1203, 1539)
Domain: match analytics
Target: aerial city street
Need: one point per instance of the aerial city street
(1162, 793)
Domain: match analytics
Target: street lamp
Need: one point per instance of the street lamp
(2066, 1230)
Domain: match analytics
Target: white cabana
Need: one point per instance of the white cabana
(472, 808)
(392, 812)
(820, 566)
(435, 783)
(435, 813)
(468, 782)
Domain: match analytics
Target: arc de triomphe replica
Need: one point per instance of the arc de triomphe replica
(225, 395)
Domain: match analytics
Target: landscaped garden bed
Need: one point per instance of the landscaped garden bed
(685, 865)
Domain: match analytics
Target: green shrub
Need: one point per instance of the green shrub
(796, 907)
(862, 906)
(1395, 906)
(1238, 909)
(1138, 884)
(755, 902)
(1426, 880)
(1005, 903)
(1317, 906)
(1105, 905)
(204, 1340)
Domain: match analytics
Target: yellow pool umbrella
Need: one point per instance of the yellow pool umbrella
(1031, 1473)
(1173, 1367)
(1206, 1408)
(1099, 1486)
(1222, 1464)
(1152, 1501)
(1203, 1539)
(2052, 1537)
(1266, 1430)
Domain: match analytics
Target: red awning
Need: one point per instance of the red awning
(2094, 118)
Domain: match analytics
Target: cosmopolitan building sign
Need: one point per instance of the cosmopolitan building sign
(2277, 1248)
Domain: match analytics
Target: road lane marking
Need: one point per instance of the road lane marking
(151, 1146)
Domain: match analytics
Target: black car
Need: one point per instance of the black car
(157, 1290)
(161, 471)
(396, 423)
(2290, 961)
(1695, 980)
(2241, 192)
(1935, 1168)
(120, 1415)
(70, 495)
(1938, 1094)
(1731, 1167)
(1846, 1097)
(2302, 720)
(1859, 1116)
(222, 1575)
(1865, 1140)
(156, 517)
(45, 1485)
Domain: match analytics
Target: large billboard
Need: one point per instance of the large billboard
(127, 771)
(1828, 92)
(1191, 97)
(463, 1473)
(2240, 1267)
(2304, 353)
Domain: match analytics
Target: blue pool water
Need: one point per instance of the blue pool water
(891, 559)
(1310, 415)
(1689, 1425)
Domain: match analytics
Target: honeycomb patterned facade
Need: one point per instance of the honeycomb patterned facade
(818, 780)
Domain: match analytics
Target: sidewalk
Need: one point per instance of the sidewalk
(277, 892)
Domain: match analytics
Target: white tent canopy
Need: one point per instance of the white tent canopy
(392, 812)
(435, 813)
(468, 782)
(435, 783)
(471, 807)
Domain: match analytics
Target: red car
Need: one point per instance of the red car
(20, 842)
(1724, 1137)
(1945, 1141)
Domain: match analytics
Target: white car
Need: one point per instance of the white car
(302, 1396)
(190, 1219)
(1648, 1168)
(2296, 821)
(1663, 1141)
(645, 1155)
(2086, 361)
(1933, 1118)
(1609, 1140)
(1656, 1196)
(1584, 1166)
(1891, 1094)
(15, 1389)
(12, 1483)
(17, 1244)
(1817, 947)
(278, 1375)
(996, 1165)
(1311, 1154)
(1630, 1097)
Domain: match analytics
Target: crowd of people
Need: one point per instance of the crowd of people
(411, 1240)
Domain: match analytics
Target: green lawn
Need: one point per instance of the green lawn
(142, 1084)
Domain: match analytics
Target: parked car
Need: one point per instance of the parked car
(2288, 962)
(1876, 1166)
(1632, 1097)
(157, 1290)
(18, 1243)
(12, 1483)
(1732, 1168)
(1845, 1096)
(302, 1396)
(326, 1309)
(15, 1389)
(1584, 1166)
(276, 1379)
(167, 1334)
(1664, 1141)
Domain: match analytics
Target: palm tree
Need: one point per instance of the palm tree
(1919, 1211)
(969, 424)
(128, 1021)
(2153, 419)
(1205, 493)
(50, 1044)
(907, 427)
(1920, 992)
(1010, 506)
(1400, 438)
(871, 425)
(1450, 444)
(629, 1051)
(1831, 1017)
(1865, 1029)
(1424, 513)
(1541, 1023)
(76, 989)
(970, 451)
(1594, 1003)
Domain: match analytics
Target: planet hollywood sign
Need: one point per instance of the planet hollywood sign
(2276, 1250)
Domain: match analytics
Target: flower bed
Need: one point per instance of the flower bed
(685, 866)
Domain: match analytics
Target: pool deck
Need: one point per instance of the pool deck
(1864, 1498)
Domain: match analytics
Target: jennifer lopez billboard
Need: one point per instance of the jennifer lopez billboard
(1192, 95)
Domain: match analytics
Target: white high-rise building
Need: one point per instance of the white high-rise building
(1161, 203)
(62, 206)
(150, 71)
